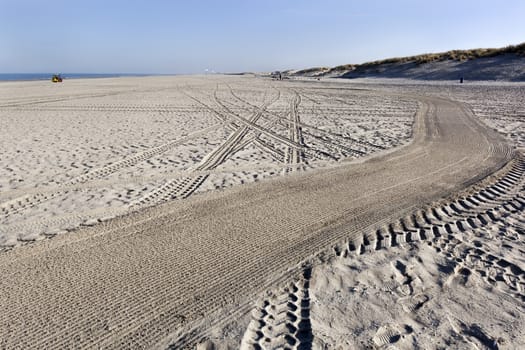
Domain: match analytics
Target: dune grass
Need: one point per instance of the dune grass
(455, 55)
(313, 70)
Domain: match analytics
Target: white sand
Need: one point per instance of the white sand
(462, 290)
(89, 150)
(447, 274)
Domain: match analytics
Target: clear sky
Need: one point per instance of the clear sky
(189, 36)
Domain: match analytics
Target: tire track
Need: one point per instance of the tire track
(32, 101)
(275, 320)
(267, 147)
(275, 153)
(233, 121)
(25, 202)
(149, 277)
(268, 133)
(283, 320)
(172, 189)
(331, 143)
(294, 156)
(334, 142)
(332, 149)
(444, 224)
(183, 188)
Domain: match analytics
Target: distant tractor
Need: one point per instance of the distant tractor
(56, 78)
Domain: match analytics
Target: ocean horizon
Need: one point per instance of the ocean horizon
(47, 76)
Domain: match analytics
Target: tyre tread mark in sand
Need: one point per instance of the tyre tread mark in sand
(152, 312)
(183, 188)
(266, 146)
(275, 153)
(294, 156)
(283, 319)
(257, 128)
(54, 99)
(331, 143)
(442, 226)
(35, 101)
(270, 315)
(24, 202)
(333, 148)
(312, 149)
(313, 244)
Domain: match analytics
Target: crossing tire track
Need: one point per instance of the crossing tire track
(183, 188)
(149, 277)
(25, 202)
(294, 156)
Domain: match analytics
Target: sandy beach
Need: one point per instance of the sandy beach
(105, 147)
(226, 212)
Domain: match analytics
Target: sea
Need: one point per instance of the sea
(47, 76)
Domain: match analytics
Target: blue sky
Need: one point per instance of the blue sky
(162, 36)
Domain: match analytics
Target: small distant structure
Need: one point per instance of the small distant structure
(57, 78)
(277, 75)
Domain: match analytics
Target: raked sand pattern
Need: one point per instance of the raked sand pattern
(361, 245)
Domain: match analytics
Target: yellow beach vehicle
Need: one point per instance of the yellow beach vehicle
(56, 78)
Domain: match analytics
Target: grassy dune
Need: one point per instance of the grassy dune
(477, 63)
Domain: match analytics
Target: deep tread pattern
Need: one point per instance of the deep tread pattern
(274, 319)
(282, 321)
(444, 224)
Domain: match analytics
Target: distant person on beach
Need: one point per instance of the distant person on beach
(461, 79)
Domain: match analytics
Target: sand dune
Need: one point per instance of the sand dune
(507, 67)
(503, 64)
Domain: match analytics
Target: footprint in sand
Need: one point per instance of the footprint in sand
(389, 334)
(415, 303)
